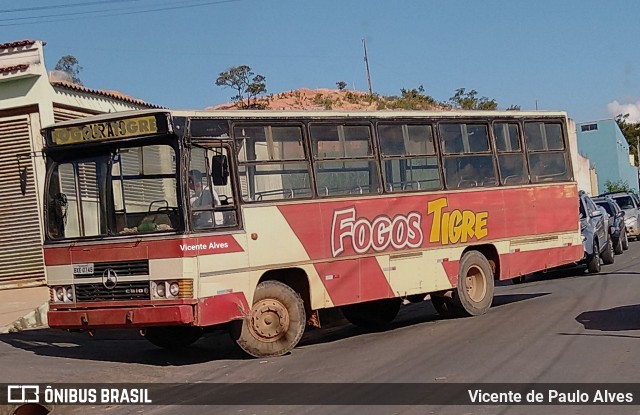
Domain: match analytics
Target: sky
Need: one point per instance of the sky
(578, 56)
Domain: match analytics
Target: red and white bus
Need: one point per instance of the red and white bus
(171, 222)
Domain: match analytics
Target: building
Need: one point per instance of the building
(30, 99)
(603, 143)
(583, 172)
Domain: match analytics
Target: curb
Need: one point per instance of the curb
(35, 319)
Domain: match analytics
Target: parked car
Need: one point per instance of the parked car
(628, 202)
(617, 228)
(595, 236)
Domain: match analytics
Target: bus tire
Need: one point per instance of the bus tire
(474, 293)
(372, 314)
(444, 306)
(173, 337)
(275, 323)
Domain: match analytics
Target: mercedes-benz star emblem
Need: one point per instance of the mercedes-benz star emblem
(109, 279)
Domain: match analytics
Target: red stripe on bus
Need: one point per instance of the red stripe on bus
(221, 309)
(156, 249)
(526, 262)
(354, 280)
(358, 226)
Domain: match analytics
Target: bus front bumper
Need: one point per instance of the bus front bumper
(121, 317)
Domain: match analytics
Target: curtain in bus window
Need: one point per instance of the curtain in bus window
(542, 136)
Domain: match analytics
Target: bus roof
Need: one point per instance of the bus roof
(256, 114)
(364, 114)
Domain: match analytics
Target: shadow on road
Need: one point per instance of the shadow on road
(614, 319)
(410, 315)
(127, 346)
(122, 346)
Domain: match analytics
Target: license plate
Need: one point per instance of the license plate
(82, 269)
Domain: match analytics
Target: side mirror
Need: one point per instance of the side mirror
(620, 214)
(220, 170)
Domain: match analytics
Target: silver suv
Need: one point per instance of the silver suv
(630, 204)
(595, 234)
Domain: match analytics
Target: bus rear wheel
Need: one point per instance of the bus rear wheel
(275, 323)
(372, 314)
(173, 338)
(474, 293)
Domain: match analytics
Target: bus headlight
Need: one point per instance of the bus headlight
(161, 289)
(171, 289)
(174, 289)
(62, 294)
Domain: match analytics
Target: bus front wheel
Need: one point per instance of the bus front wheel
(275, 322)
(474, 293)
(173, 338)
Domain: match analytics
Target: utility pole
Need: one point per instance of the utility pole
(366, 62)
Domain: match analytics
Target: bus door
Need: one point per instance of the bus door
(215, 221)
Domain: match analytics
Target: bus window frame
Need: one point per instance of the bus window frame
(272, 122)
(566, 151)
(382, 158)
(490, 152)
(370, 124)
(233, 182)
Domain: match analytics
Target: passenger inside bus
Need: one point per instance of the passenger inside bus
(201, 201)
(461, 173)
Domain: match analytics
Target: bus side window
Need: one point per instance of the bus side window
(511, 162)
(211, 206)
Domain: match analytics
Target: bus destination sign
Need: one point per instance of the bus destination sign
(107, 130)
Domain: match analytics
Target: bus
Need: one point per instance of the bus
(258, 222)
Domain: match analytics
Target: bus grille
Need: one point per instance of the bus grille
(121, 268)
(136, 290)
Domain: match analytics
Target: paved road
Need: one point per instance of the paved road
(557, 327)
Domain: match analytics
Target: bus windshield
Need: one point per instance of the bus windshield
(126, 190)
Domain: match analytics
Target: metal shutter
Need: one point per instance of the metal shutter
(63, 114)
(21, 260)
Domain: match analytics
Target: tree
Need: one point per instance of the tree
(631, 132)
(617, 186)
(70, 65)
(247, 85)
(469, 101)
(514, 108)
(341, 85)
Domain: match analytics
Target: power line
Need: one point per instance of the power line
(97, 13)
(65, 6)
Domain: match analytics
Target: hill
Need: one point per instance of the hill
(333, 99)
